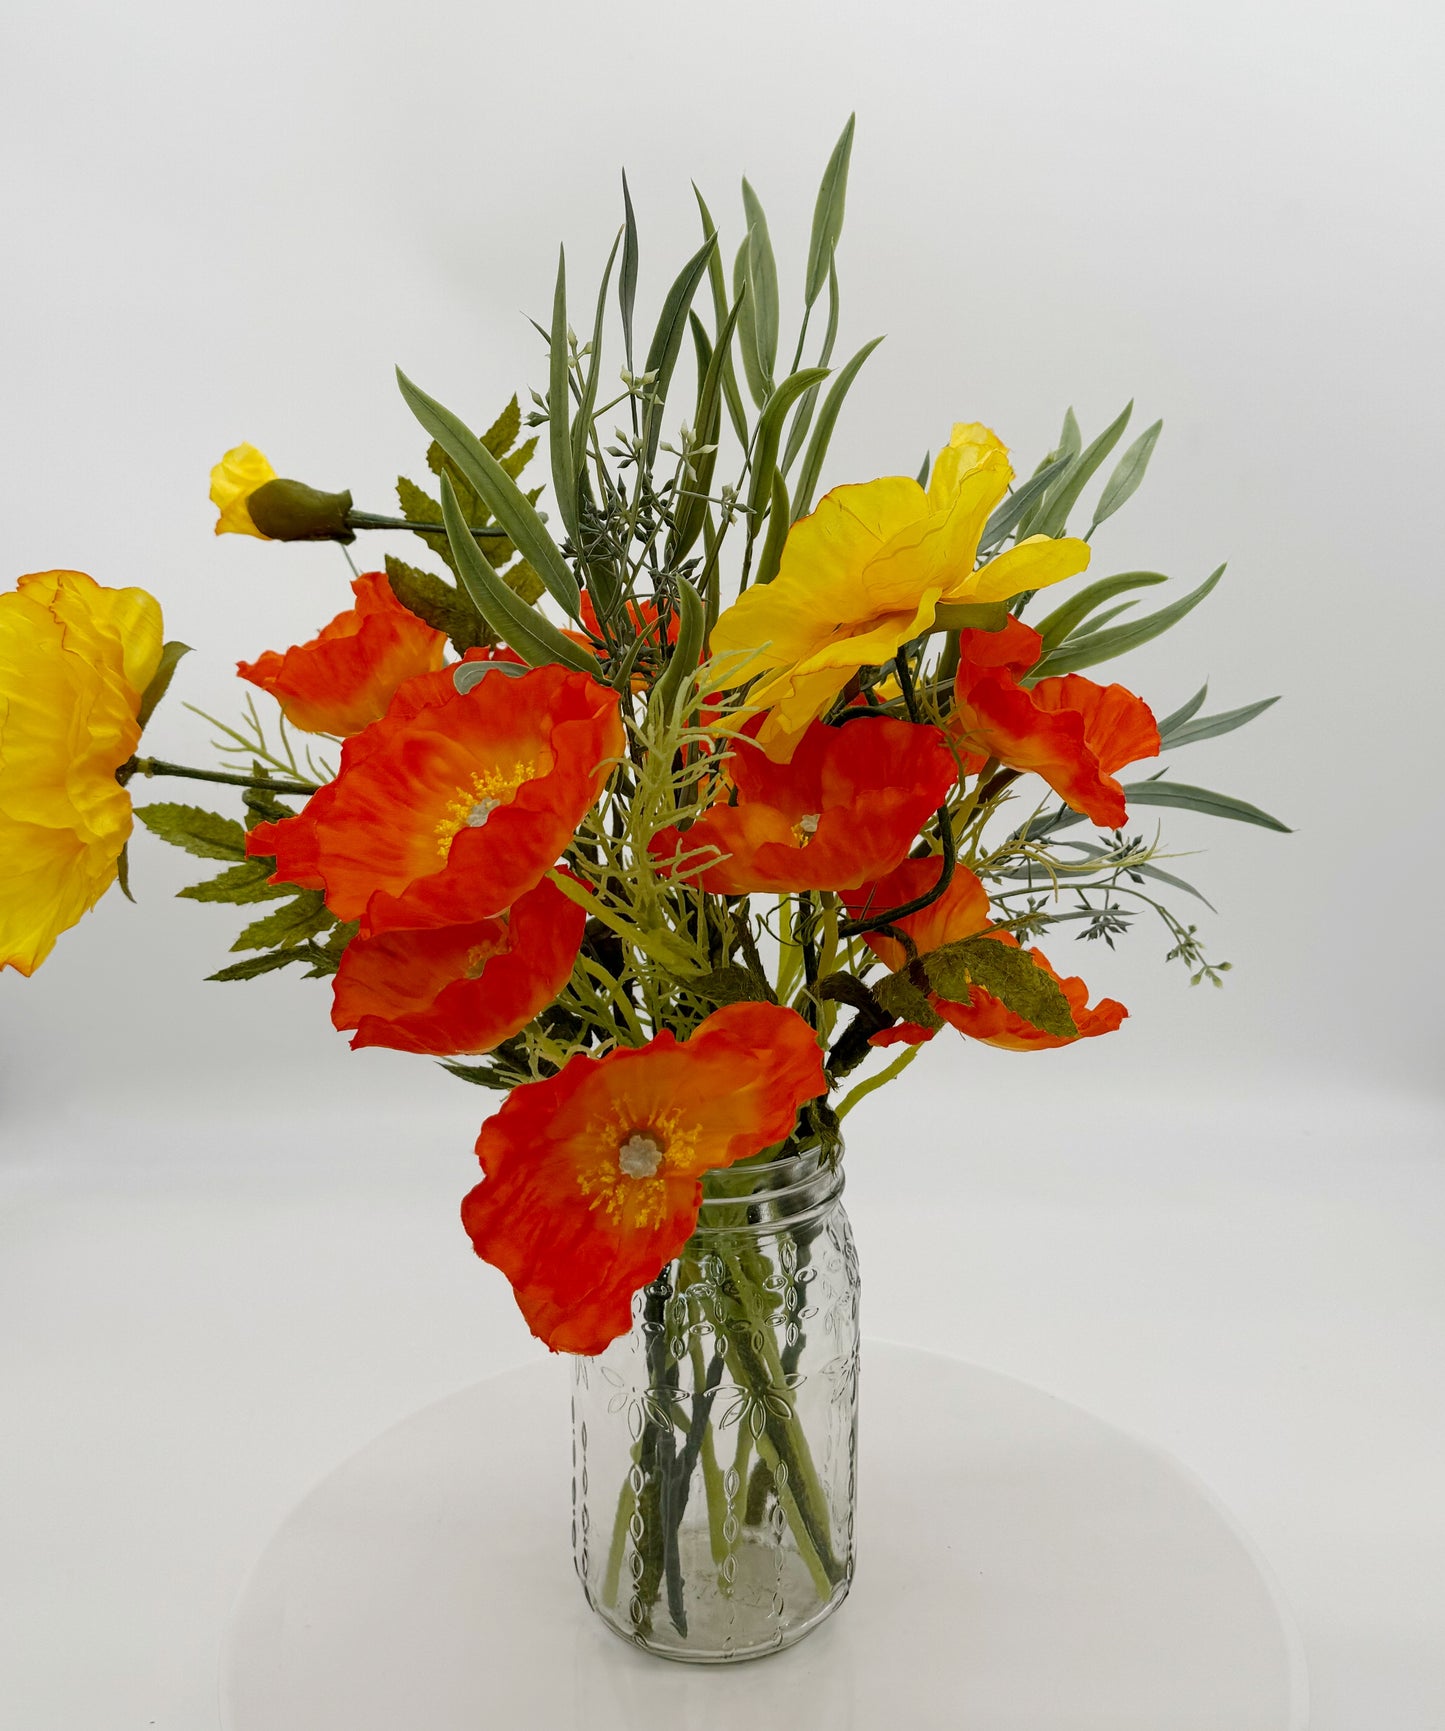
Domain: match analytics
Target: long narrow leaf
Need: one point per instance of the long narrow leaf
(718, 285)
(501, 494)
(770, 433)
(1182, 796)
(582, 422)
(764, 278)
(1066, 619)
(1128, 473)
(559, 406)
(1211, 726)
(1019, 502)
(803, 414)
(1070, 439)
(691, 512)
(667, 339)
(778, 525)
(745, 290)
(823, 432)
(828, 214)
(1186, 711)
(627, 282)
(1100, 646)
(1054, 518)
(534, 638)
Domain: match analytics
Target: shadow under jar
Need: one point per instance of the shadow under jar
(715, 1445)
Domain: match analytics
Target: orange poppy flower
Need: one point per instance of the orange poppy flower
(453, 805)
(455, 989)
(594, 1176)
(344, 678)
(962, 912)
(845, 809)
(1070, 731)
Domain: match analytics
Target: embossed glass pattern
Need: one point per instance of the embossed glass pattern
(715, 1446)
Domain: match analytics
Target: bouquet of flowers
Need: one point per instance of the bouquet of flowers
(682, 814)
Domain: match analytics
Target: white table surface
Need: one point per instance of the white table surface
(200, 1317)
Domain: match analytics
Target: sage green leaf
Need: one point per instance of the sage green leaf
(582, 421)
(745, 291)
(827, 419)
(1070, 439)
(1090, 650)
(1211, 726)
(971, 616)
(779, 523)
(803, 414)
(1064, 620)
(287, 926)
(239, 883)
(160, 681)
(559, 406)
(1008, 974)
(439, 604)
(501, 494)
(667, 338)
(1019, 503)
(266, 964)
(206, 834)
(732, 395)
(627, 282)
(828, 214)
(1053, 519)
(686, 652)
(523, 628)
(730, 985)
(898, 995)
(692, 511)
(764, 274)
(764, 459)
(502, 434)
(924, 470)
(122, 870)
(1128, 473)
(1186, 711)
(1185, 798)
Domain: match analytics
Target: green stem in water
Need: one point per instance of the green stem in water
(149, 766)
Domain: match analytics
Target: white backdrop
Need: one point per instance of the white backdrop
(225, 226)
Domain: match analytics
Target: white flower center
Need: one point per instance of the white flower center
(480, 812)
(809, 824)
(640, 1155)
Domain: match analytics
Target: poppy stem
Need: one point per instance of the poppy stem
(149, 766)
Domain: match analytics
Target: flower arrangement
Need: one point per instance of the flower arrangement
(682, 814)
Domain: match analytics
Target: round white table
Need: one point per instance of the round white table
(1022, 1566)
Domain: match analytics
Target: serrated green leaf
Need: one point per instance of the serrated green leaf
(1211, 726)
(500, 493)
(1008, 974)
(823, 432)
(898, 996)
(287, 926)
(1186, 798)
(1128, 473)
(718, 285)
(627, 282)
(326, 958)
(1097, 646)
(439, 604)
(482, 1076)
(730, 985)
(171, 654)
(828, 214)
(1064, 620)
(206, 834)
(1053, 519)
(523, 628)
(263, 806)
(764, 459)
(666, 343)
(264, 964)
(763, 277)
(239, 884)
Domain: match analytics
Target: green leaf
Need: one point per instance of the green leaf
(682, 663)
(439, 605)
(523, 628)
(692, 509)
(502, 434)
(1066, 619)
(559, 407)
(730, 985)
(779, 522)
(898, 996)
(1091, 649)
(744, 292)
(171, 654)
(582, 421)
(501, 494)
(1008, 974)
(1211, 726)
(970, 616)
(627, 282)
(828, 214)
(265, 964)
(1128, 473)
(770, 432)
(239, 883)
(206, 834)
(122, 871)
(1019, 503)
(1186, 711)
(1180, 795)
(763, 277)
(667, 338)
(925, 468)
(1053, 519)
(1066, 450)
(325, 958)
(716, 281)
(263, 806)
(823, 432)
(483, 1075)
(287, 926)
(803, 414)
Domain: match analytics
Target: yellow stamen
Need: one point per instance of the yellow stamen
(473, 805)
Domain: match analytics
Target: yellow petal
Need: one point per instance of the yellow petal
(1033, 564)
(970, 445)
(238, 474)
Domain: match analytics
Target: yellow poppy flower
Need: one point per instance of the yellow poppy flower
(864, 574)
(233, 480)
(74, 661)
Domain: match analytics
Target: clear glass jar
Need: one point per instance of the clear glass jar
(715, 1446)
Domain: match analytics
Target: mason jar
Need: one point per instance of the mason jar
(715, 1445)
